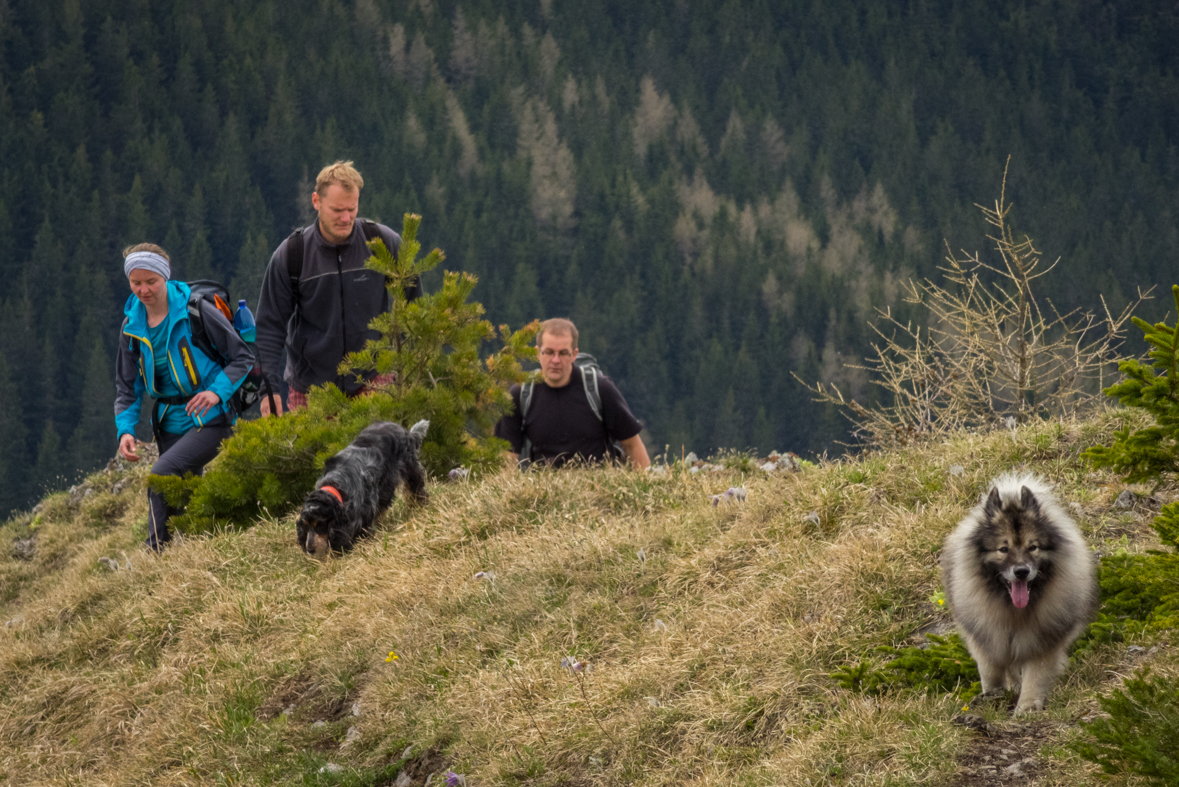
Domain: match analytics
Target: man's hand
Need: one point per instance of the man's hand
(127, 447)
(200, 404)
(264, 404)
(636, 452)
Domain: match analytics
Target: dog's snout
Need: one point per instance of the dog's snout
(1022, 572)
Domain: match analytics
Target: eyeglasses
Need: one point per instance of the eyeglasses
(549, 352)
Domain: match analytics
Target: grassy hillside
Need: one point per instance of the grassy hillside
(711, 632)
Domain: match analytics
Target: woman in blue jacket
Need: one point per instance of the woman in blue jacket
(157, 358)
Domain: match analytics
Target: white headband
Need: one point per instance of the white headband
(148, 261)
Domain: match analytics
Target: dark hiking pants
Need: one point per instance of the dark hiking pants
(180, 454)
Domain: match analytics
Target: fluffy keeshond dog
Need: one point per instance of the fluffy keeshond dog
(1020, 583)
(359, 483)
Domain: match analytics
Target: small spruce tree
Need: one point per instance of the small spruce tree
(1140, 593)
(432, 346)
(1152, 453)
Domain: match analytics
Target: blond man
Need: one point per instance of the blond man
(317, 297)
(573, 413)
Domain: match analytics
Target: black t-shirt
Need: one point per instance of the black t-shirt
(562, 425)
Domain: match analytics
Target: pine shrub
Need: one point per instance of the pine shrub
(433, 348)
(1150, 453)
(944, 666)
(1141, 734)
(1140, 593)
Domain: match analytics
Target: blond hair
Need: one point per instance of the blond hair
(146, 247)
(558, 326)
(341, 173)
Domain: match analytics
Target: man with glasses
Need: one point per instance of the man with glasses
(577, 414)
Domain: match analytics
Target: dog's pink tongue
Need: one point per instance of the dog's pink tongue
(1019, 593)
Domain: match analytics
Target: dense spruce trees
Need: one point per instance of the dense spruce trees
(675, 176)
(14, 457)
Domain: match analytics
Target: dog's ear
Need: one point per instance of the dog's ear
(994, 503)
(1028, 501)
(418, 432)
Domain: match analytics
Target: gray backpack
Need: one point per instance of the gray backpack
(590, 372)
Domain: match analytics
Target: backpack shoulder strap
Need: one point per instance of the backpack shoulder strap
(370, 229)
(526, 391)
(295, 262)
(589, 378)
(196, 328)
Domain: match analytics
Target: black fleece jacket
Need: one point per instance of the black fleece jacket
(338, 298)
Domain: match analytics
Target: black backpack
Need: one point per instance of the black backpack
(590, 372)
(215, 294)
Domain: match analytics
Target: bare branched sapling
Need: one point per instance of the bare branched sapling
(990, 351)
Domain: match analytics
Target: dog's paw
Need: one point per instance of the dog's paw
(1031, 706)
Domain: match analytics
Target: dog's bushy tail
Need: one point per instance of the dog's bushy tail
(418, 432)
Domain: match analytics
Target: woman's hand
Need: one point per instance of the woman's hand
(200, 404)
(127, 448)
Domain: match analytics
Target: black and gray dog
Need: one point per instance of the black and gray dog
(359, 483)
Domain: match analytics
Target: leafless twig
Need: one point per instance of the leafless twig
(991, 351)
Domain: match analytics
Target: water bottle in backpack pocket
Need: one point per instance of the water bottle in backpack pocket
(243, 322)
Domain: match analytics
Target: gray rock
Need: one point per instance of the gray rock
(25, 548)
(790, 462)
(80, 492)
(1020, 768)
(1126, 500)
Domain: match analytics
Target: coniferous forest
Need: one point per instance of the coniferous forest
(720, 193)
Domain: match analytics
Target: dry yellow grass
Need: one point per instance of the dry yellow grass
(710, 654)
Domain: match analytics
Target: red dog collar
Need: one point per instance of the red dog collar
(334, 492)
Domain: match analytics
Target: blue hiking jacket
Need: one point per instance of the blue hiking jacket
(190, 371)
